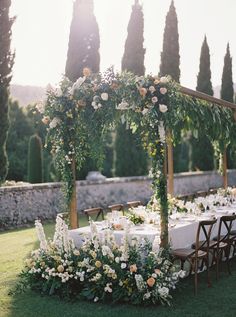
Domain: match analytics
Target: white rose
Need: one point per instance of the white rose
(117, 259)
(145, 111)
(151, 89)
(104, 96)
(123, 265)
(154, 99)
(164, 80)
(163, 291)
(163, 108)
(55, 121)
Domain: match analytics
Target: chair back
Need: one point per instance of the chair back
(226, 222)
(204, 230)
(94, 212)
(134, 204)
(117, 207)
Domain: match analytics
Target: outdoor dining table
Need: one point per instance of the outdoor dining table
(182, 229)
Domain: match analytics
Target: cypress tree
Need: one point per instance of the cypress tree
(35, 159)
(6, 63)
(84, 41)
(227, 88)
(131, 159)
(227, 93)
(133, 58)
(202, 159)
(170, 58)
(204, 76)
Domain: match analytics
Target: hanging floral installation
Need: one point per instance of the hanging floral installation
(79, 115)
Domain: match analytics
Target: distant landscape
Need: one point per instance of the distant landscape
(32, 94)
(27, 94)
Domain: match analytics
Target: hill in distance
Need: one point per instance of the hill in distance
(27, 94)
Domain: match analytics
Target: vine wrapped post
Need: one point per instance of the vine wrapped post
(224, 169)
(170, 163)
(73, 201)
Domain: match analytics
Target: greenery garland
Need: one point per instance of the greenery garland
(79, 115)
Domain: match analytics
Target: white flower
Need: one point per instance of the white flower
(55, 121)
(96, 299)
(117, 259)
(154, 99)
(163, 90)
(182, 274)
(164, 80)
(123, 265)
(161, 131)
(147, 295)
(154, 275)
(145, 111)
(104, 96)
(40, 107)
(163, 108)
(108, 288)
(151, 89)
(58, 92)
(123, 105)
(163, 291)
(139, 281)
(77, 85)
(96, 105)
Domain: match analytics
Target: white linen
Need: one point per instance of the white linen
(182, 231)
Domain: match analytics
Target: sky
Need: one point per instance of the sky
(41, 32)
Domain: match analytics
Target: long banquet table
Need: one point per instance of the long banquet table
(182, 231)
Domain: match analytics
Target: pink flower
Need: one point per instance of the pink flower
(163, 90)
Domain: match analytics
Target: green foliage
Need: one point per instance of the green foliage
(6, 63)
(19, 133)
(204, 76)
(133, 58)
(170, 58)
(35, 160)
(84, 41)
(131, 159)
(200, 158)
(227, 88)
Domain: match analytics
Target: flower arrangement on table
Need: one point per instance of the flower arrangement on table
(136, 218)
(135, 272)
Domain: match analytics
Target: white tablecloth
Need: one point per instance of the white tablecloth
(182, 232)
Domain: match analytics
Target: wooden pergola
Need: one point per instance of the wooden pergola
(170, 161)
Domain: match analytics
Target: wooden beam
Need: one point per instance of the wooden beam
(224, 163)
(73, 203)
(200, 95)
(170, 163)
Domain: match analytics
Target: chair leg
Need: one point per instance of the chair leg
(195, 276)
(227, 253)
(208, 273)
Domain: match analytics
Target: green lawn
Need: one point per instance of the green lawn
(218, 301)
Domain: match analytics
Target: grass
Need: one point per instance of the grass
(217, 301)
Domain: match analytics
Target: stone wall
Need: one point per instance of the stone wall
(21, 205)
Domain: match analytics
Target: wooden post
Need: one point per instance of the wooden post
(73, 203)
(170, 163)
(224, 167)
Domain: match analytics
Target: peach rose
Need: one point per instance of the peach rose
(60, 268)
(117, 226)
(86, 72)
(133, 268)
(143, 91)
(46, 120)
(151, 281)
(98, 264)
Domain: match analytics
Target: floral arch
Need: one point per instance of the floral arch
(80, 114)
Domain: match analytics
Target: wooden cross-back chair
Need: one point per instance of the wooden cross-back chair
(118, 207)
(221, 245)
(133, 204)
(195, 255)
(98, 211)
